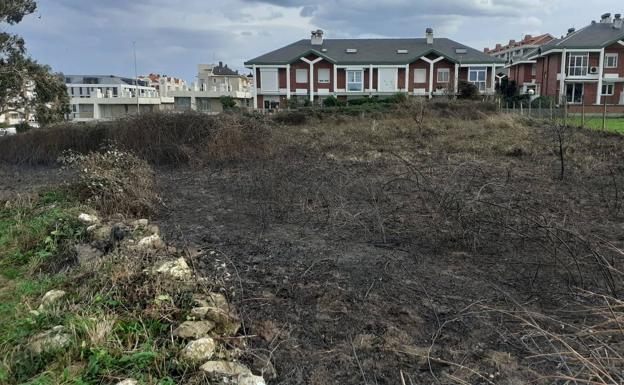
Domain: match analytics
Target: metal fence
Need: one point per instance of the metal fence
(577, 116)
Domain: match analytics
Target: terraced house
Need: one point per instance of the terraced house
(353, 68)
(583, 68)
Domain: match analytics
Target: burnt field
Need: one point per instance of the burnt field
(387, 250)
(449, 245)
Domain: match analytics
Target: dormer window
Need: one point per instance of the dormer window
(402, 51)
(352, 50)
(461, 51)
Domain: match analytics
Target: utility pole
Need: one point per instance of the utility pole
(136, 77)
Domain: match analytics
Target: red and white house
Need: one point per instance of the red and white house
(585, 67)
(316, 68)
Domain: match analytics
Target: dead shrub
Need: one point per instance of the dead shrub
(114, 181)
(159, 138)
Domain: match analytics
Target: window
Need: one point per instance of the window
(323, 75)
(443, 75)
(301, 76)
(533, 70)
(577, 64)
(607, 89)
(574, 93)
(354, 81)
(420, 75)
(611, 60)
(268, 79)
(477, 76)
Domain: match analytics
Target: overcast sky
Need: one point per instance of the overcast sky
(172, 37)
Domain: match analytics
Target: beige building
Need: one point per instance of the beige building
(213, 82)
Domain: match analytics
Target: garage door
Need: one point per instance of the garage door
(387, 78)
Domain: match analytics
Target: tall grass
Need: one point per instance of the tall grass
(158, 138)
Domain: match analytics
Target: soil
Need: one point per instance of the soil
(376, 269)
(25, 180)
(335, 295)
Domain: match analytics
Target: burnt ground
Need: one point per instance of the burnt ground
(398, 259)
(354, 271)
(25, 180)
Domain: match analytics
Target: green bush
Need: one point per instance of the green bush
(331, 101)
(542, 101)
(22, 127)
(467, 90)
(227, 102)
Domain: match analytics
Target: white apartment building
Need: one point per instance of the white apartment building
(97, 97)
(213, 82)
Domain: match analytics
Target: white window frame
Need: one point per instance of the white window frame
(533, 70)
(423, 72)
(264, 76)
(613, 56)
(574, 86)
(578, 64)
(481, 84)
(447, 72)
(351, 79)
(301, 76)
(324, 76)
(607, 86)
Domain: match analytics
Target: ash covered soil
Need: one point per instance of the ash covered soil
(377, 267)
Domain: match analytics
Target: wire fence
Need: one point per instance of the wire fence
(603, 118)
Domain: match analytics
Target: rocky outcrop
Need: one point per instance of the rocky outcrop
(225, 368)
(50, 341)
(176, 270)
(152, 242)
(87, 219)
(199, 350)
(194, 329)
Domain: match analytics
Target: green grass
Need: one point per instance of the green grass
(595, 123)
(35, 234)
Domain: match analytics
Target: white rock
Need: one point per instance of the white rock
(194, 329)
(88, 220)
(225, 368)
(50, 341)
(140, 223)
(152, 242)
(250, 379)
(50, 298)
(177, 269)
(199, 350)
(128, 381)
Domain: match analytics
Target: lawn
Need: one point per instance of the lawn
(595, 123)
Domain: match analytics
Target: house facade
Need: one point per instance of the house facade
(584, 69)
(316, 68)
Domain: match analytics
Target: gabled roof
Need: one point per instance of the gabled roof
(531, 56)
(375, 51)
(595, 35)
(528, 40)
